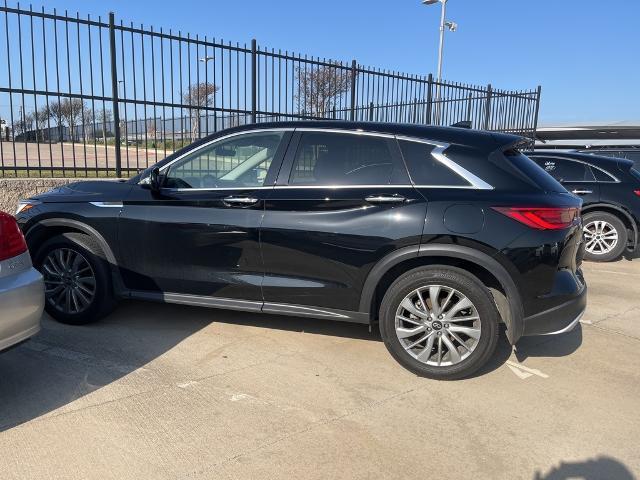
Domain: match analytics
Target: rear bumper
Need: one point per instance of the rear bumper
(21, 305)
(560, 319)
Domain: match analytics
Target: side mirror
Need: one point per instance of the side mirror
(155, 180)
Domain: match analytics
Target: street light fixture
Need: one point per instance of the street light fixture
(452, 26)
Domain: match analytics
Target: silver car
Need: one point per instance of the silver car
(21, 287)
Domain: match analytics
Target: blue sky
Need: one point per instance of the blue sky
(584, 53)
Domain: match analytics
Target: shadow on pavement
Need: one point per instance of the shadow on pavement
(63, 363)
(549, 345)
(539, 346)
(601, 468)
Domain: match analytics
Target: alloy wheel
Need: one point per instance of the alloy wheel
(438, 325)
(600, 237)
(70, 283)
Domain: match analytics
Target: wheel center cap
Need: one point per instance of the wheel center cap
(436, 325)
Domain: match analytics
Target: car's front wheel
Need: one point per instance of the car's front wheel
(439, 322)
(77, 280)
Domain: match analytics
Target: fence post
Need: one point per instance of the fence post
(254, 79)
(535, 119)
(371, 111)
(487, 108)
(114, 93)
(354, 66)
(429, 99)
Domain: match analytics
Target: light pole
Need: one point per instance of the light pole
(452, 26)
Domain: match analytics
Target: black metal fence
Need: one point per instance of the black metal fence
(89, 97)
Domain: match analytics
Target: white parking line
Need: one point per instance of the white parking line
(523, 372)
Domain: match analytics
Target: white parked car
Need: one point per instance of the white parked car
(21, 287)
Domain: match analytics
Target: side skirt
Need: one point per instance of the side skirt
(251, 306)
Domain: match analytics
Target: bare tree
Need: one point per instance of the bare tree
(104, 117)
(56, 112)
(198, 95)
(23, 123)
(88, 122)
(321, 87)
(41, 116)
(70, 112)
(151, 129)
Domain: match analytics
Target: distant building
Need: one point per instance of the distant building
(613, 135)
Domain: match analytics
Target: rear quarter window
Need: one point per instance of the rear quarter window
(425, 169)
(534, 171)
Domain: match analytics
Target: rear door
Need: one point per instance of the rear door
(575, 176)
(343, 200)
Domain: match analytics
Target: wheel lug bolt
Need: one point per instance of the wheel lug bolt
(439, 333)
(446, 325)
(428, 329)
(440, 316)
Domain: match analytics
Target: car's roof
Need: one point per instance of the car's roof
(443, 134)
(596, 160)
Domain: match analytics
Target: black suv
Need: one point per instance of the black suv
(610, 189)
(438, 234)
(632, 154)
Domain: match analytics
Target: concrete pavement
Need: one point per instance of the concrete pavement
(173, 392)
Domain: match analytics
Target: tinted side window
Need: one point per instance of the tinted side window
(601, 176)
(239, 161)
(566, 170)
(425, 169)
(341, 159)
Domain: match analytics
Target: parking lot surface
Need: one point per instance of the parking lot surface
(166, 391)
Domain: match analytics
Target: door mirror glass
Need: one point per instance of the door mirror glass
(237, 162)
(155, 180)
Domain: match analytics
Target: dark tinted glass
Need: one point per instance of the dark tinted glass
(565, 170)
(602, 176)
(341, 159)
(425, 169)
(531, 168)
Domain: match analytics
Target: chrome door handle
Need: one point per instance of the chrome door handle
(385, 199)
(581, 192)
(240, 201)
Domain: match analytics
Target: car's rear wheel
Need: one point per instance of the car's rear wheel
(605, 236)
(77, 280)
(439, 322)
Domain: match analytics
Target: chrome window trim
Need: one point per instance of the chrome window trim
(615, 179)
(345, 131)
(439, 154)
(224, 137)
(317, 187)
(107, 204)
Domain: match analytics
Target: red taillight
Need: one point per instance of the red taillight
(637, 192)
(542, 218)
(12, 241)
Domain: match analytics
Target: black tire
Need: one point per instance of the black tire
(615, 223)
(103, 300)
(453, 278)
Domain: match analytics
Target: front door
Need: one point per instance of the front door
(200, 234)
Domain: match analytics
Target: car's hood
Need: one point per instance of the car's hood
(91, 191)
